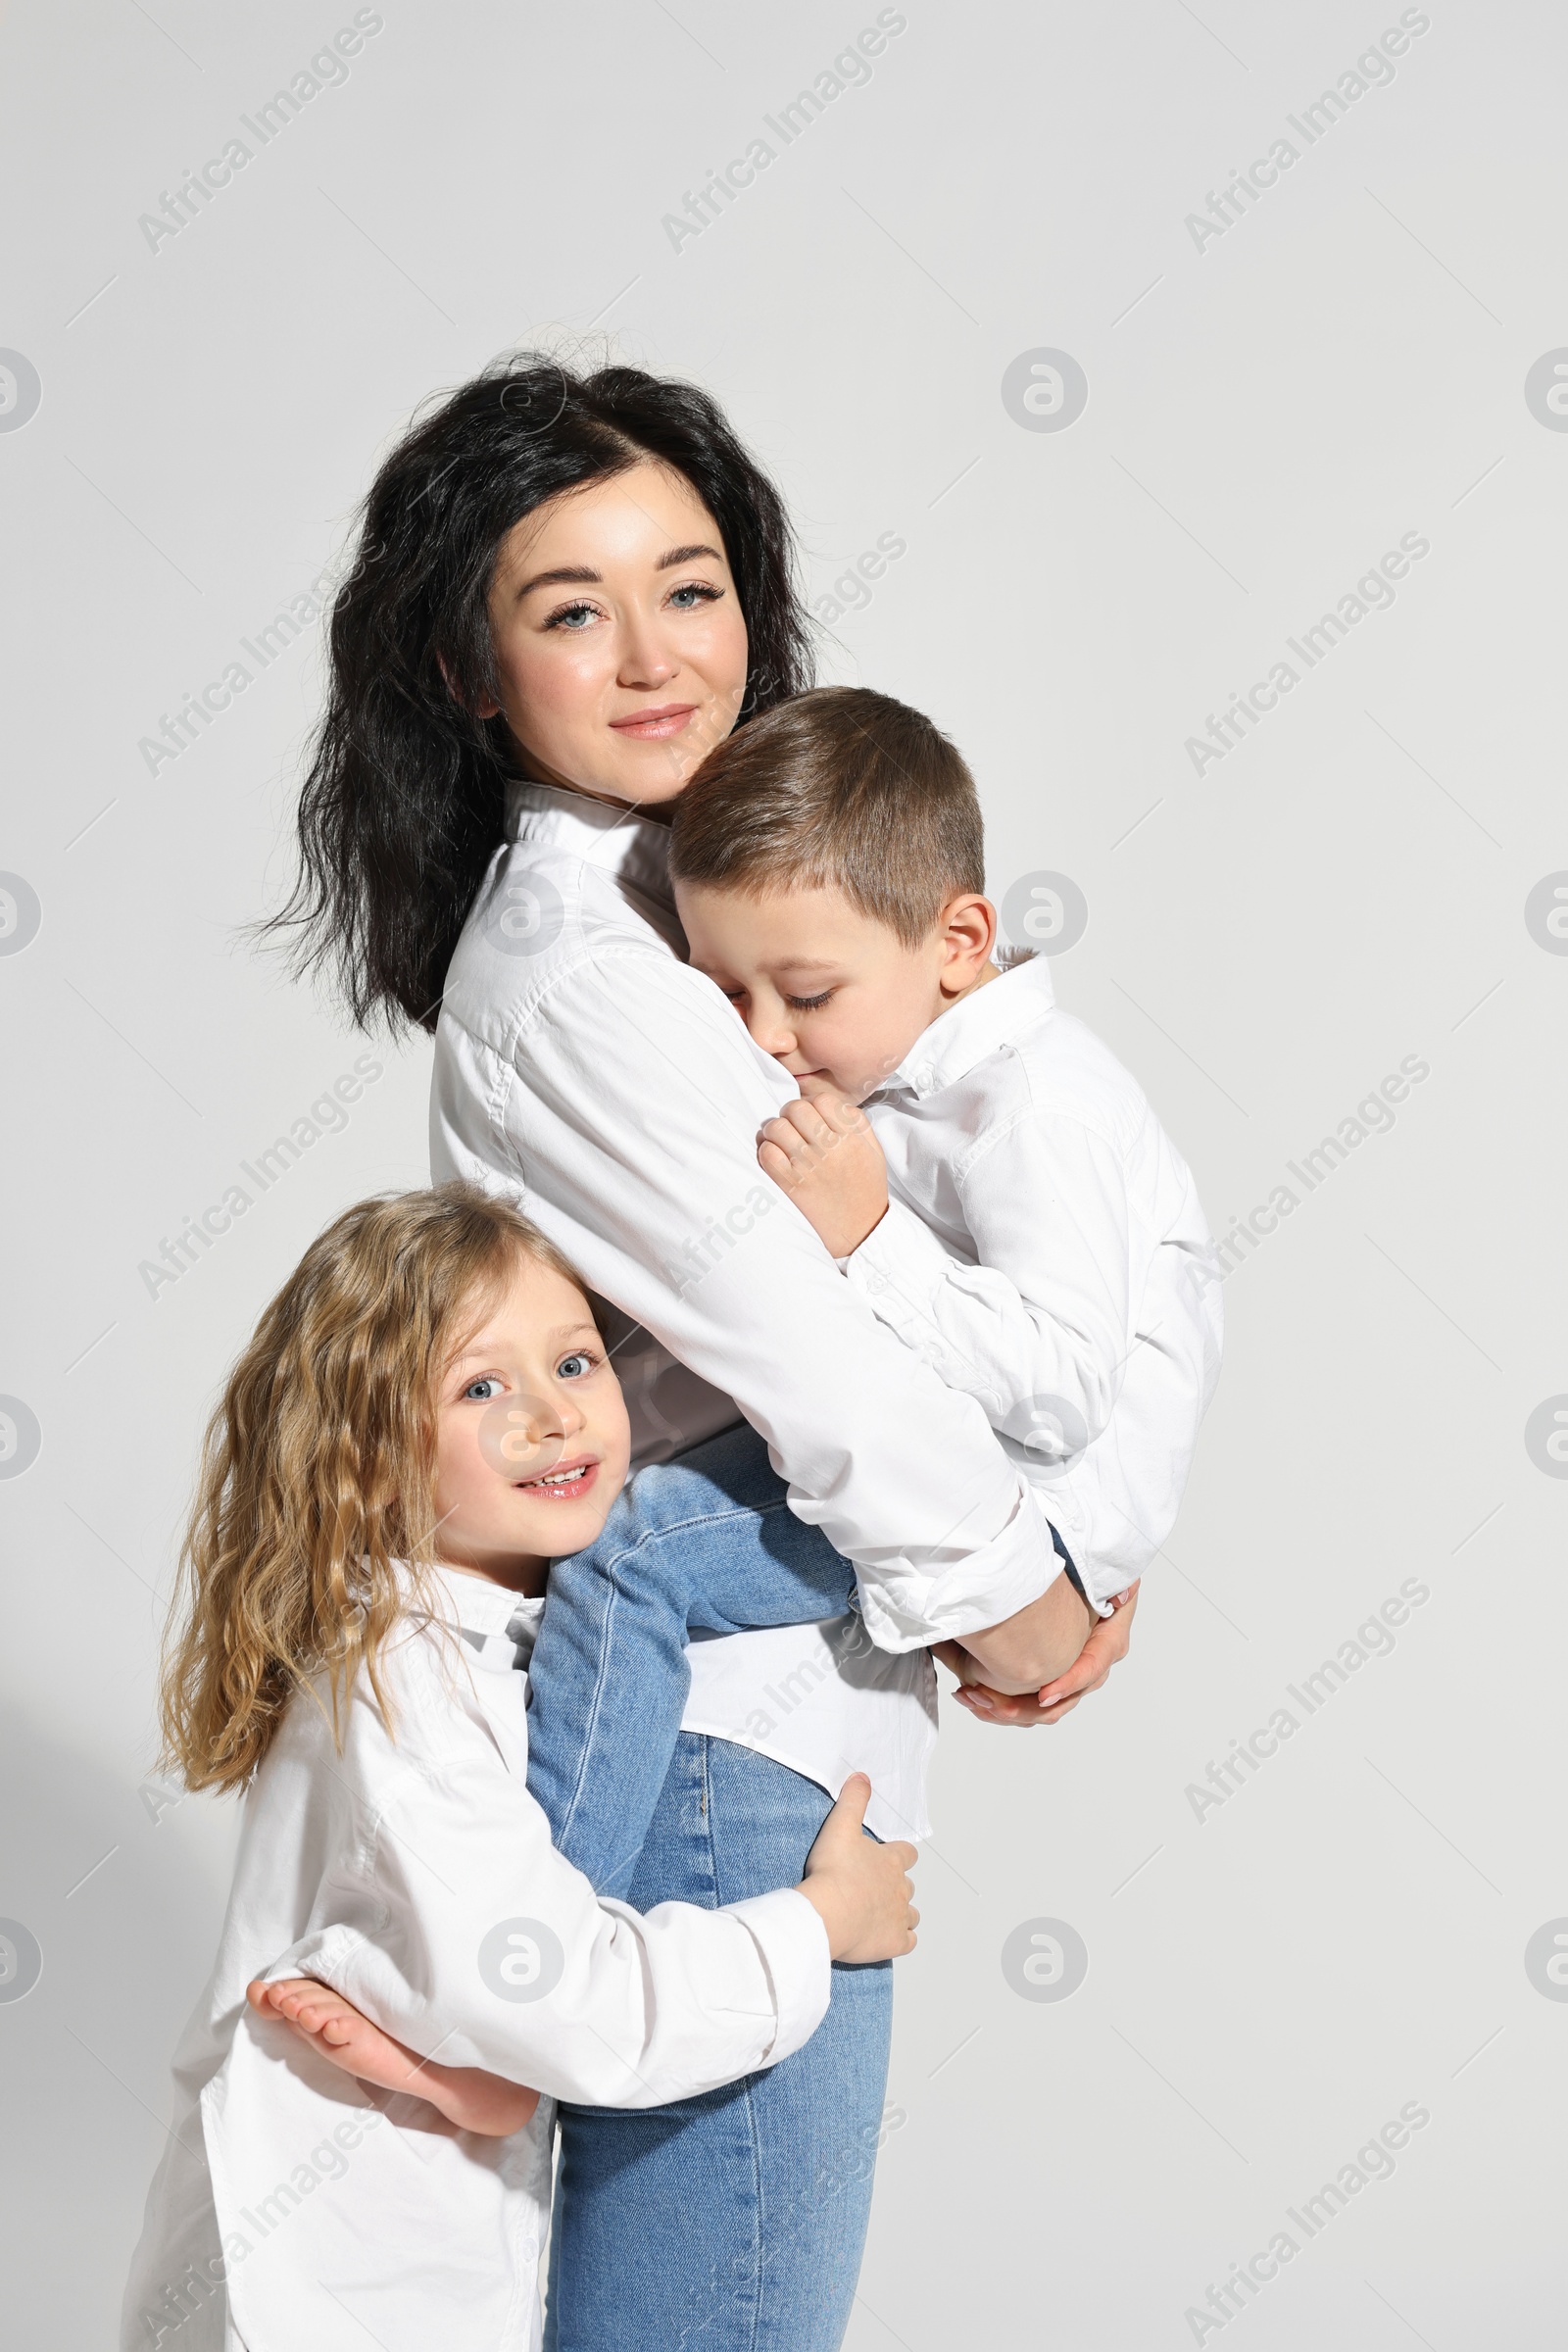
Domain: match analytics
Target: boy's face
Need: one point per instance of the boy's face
(533, 1440)
(829, 992)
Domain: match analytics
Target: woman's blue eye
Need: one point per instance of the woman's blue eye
(699, 591)
(569, 615)
(574, 1367)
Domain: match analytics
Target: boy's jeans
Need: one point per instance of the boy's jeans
(734, 2222)
(708, 1543)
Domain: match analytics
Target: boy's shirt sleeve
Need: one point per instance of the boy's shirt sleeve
(1120, 1498)
(1037, 1331)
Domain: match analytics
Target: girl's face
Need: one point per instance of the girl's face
(533, 1440)
(618, 637)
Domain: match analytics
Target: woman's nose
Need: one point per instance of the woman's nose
(646, 659)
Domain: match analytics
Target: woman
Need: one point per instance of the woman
(566, 589)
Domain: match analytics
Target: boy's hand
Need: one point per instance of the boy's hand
(822, 1152)
(1107, 1645)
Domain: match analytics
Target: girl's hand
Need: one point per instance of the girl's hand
(860, 1888)
(467, 2097)
(821, 1149)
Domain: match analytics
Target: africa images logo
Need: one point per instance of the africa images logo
(521, 1960)
(1045, 390)
(20, 391)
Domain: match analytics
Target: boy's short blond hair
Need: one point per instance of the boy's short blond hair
(838, 786)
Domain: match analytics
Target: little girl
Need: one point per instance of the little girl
(353, 2159)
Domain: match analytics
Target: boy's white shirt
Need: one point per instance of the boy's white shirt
(585, 1069)
(413, 1874)
(1045, 1251)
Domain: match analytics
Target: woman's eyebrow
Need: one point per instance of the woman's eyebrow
(578, 575)
(583, 575)
(686, 555)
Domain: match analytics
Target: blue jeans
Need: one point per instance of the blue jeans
(707, 1543)
(734, 2222)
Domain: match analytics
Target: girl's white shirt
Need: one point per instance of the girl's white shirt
(412, 1871)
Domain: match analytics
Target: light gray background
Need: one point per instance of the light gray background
(1268, 1985)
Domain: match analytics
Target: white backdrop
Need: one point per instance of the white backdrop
(1284, 384)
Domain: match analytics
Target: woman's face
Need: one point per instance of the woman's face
(618, 638)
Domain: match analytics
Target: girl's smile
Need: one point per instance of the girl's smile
(567, 1484)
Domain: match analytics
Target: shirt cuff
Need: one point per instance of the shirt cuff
(790, 1935)
(1084, 1589)
(899, 1269)
(327, 1955)
(980, 1589)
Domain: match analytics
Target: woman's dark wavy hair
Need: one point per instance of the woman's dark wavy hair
(402, 806)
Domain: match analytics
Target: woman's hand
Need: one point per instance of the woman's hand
(860, 1890)
(821, 1149)
(1106, 1646)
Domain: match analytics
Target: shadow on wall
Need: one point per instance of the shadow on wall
(111, 1898)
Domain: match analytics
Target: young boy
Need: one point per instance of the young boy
(1007, 1201)
(1010, 1205)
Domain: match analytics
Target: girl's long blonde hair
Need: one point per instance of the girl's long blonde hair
(317, 1471)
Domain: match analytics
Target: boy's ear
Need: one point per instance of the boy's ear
(969, 935)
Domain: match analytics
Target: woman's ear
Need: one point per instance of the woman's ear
(485, 708)
(969, 935)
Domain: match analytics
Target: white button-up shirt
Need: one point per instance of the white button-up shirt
(1045, 1251)
(581, 1063)
(413, 1872)
(584, 1067)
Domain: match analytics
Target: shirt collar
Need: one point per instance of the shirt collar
(632, 849)
(977, 1025)
(476, 1605)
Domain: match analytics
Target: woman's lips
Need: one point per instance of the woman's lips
(567, 1481)
(655, 723)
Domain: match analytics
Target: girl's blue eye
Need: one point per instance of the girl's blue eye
(483, 1389)
(575, 1366)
